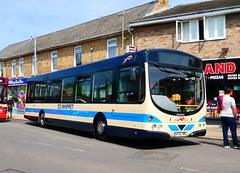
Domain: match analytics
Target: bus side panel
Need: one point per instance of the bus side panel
(3, 111)
(83, 126)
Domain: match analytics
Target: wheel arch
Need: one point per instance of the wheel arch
(96, 118)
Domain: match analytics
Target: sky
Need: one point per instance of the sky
(17, 17)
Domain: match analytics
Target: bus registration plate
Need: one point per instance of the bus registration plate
(180, 134)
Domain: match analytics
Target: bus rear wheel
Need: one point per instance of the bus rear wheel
(41, 120)
(101, 128)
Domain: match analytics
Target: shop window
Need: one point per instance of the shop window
(128, 89)
(83, 89)
(102, 86)
(68, 89)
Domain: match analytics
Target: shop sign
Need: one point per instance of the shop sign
(222, 69)
(12, 82)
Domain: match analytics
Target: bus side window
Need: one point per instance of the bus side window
(53, 95)
(30, 93)
(102, 86)
(68, 89)
(83, 89)
(128, 87)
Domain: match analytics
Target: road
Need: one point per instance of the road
(27, 148)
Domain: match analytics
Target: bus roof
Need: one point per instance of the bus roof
(110, 63)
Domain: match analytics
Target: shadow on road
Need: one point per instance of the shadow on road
(133, 143)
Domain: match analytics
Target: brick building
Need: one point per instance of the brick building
(209, 30)
(95, 40)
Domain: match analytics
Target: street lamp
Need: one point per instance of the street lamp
(35, 40)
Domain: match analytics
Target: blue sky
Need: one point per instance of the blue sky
(17, 16)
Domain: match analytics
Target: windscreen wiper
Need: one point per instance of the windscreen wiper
(163, 69)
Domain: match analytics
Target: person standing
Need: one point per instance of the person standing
(228, 112)
(10, 106)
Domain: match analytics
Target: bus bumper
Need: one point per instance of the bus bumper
(143, 134)
(198, 133)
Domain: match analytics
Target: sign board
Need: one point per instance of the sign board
(131, 49)
(13, 82)
(222, 69)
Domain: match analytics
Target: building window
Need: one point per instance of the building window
(207, 28)
(34, 71)
(1, 69)
(112, 48)
(77, 55)
(215, 27)
(54, 61)
(13, 68)
(21, 66)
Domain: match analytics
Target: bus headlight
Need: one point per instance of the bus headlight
(154, 126)
(160, 127)
(199, 126)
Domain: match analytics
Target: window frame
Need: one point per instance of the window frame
(21, 67)
(110, 46)
(53, 56)
(75, 57)
(14, 68)
(1, 69)
(216, 31)
(180, 29)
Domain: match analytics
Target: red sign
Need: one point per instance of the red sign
(222, 68)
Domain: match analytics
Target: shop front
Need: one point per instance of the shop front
(17, 90)
(220, 74)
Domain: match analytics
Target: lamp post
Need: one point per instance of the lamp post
(35, 40)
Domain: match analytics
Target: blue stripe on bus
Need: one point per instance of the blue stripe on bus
(91, 114)
(173, 128)
(202, 120)
(189, 127)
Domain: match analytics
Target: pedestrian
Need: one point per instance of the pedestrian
(228, 113)
(10, 106)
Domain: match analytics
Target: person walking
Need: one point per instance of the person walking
(228, 112)
(10, 106)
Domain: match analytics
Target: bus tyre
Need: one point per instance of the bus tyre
(101, 128)
(41, 120)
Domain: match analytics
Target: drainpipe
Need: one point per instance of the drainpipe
(133, 36)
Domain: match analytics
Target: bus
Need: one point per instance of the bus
(3, 97)
(157, 93)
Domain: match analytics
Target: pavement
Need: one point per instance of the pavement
(214, 132)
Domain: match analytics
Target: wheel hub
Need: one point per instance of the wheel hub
(101, 127)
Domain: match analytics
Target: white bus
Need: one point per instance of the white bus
(157, 93)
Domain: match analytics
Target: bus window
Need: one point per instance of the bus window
(102, 86)
(128, 89)
(83, 87)
(68, 89)
(54, 93)
(3, 93)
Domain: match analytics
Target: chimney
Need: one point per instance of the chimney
(160, 4)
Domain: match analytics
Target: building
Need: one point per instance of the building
(209, 30)
(95, 40)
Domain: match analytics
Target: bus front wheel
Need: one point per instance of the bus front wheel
(101, 128)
